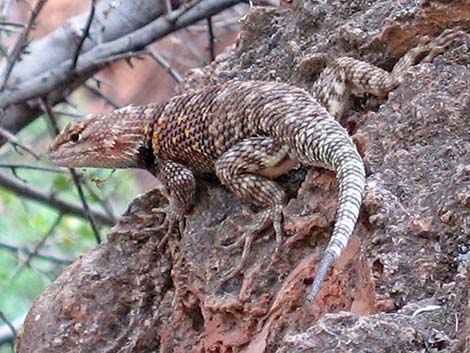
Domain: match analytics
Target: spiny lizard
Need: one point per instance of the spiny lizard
(247, 133)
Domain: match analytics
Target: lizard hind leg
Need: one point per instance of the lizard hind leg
(346, 75)
(246, 169)
(425, 51)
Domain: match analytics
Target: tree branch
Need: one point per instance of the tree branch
(32, 167)
(49, 199)
(165, 65)
(38, 254)
(6, 334)
(97, 92)
(99, 57)
(86, 32)
(16, 142)
(21, 42)
(211, 38)
(35, 251)
(10, 326)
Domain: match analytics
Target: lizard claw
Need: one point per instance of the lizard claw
(272, 215)
(429, 48)
(174, 217)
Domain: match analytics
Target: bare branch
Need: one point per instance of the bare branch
(178, 58)
(9, 324)
(6, 335)
(85, 34)
(210, 31)
(99, 57)
(163, 63)
(12, 24)
(38, 246)
(173, 16)
(76, 180)
(16, 142)
(49, 199)
(167, 6)
(104, 203)
(101, 95)
(69, 114)
(39, 255)
(52, 82)
(100, 81)
(193, 49)
(225, 22)
(21, 42)
(33, 167)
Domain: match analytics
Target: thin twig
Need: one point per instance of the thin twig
(8, 323)
(86, 32)
(104, 202)
(16, 142)
(32, 167)
(39, 255)
(85, 205)
(223, 22)
(192, 48)
(101, 95)
(12, 24)
(10, 29)
(100, 81)
(177, 58)
(50, 115)
(37, 247)
(163, 63)
(6, 336)
(6, 6)
(167, 6)
(210, 31)
(62, 112)
(21, 42)
(172, 17)
(31, 192)
(70, 103)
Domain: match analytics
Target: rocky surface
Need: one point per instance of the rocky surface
(401, 286)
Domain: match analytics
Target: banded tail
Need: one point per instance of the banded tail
(351, 180)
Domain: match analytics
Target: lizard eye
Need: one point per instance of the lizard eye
(75, 137)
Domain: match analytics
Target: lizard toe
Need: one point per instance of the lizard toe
(174, 218)
(271, 216)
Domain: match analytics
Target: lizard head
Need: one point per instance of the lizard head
(112, 140)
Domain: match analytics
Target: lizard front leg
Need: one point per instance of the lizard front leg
(246, 169)
(179, 188)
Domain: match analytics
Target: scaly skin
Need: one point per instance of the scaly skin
(246, 133)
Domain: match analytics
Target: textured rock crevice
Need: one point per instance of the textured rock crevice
(402, 284)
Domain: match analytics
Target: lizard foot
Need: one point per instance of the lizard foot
(427, 48)
(272, 215)
(174, 217)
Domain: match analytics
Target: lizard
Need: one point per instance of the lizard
(246, 133)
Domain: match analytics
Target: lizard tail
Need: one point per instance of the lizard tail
(351, 180)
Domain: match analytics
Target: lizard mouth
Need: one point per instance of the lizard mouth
(63, 158)
(61, 161)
